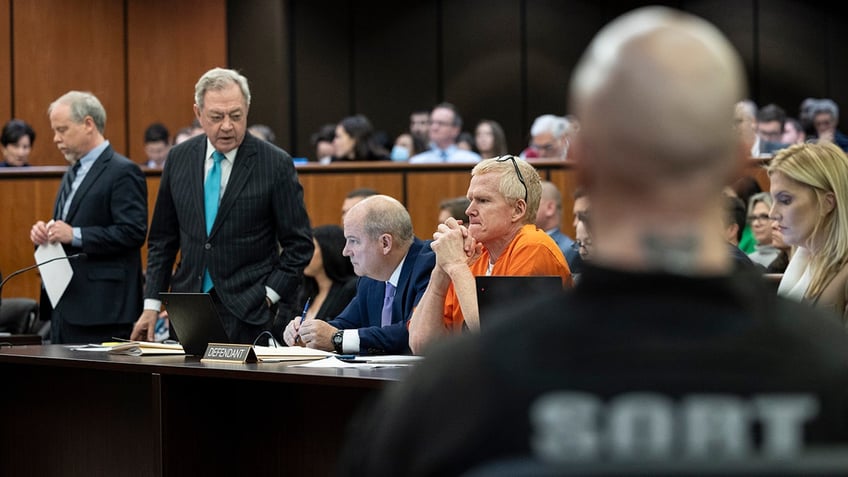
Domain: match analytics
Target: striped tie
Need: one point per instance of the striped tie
(65, 190)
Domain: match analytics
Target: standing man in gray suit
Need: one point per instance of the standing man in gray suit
(100, 210)
(232, 206)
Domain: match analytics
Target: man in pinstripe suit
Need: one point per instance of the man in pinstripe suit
(248, 248)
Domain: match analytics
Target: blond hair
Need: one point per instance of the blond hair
(510, 184)
(823, 168)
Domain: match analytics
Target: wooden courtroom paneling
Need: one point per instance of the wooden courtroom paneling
(557, 34)
(28, 196)
(482, 64)
(324, 190)
(791, 53)
(511, 60)
(425, 190)
(395, 65)
(566, 181)
(265, 67)
(170, 44)
(321, 78)
(421, 187)
(62, 45)
(5, 62)
(25, 200)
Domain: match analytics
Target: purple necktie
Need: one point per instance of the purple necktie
(386, 318)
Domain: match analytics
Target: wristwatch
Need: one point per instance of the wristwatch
(337, 340)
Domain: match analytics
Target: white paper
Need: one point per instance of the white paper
(391, 359)
(288, 353)
(385, 361)
(55, 275)
(330, 362)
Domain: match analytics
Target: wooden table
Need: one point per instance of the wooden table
(20, 340)
(90, 413)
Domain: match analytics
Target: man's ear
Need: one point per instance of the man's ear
(196, 112)
(88, 121)
(386, 243)
(731, 231)
(549, 206)
(520, 209)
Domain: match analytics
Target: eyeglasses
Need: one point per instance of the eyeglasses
(770, 134)
(517, 172)
(440, 123)
(762, 217)
(544, 147)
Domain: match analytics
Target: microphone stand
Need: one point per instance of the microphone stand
(26, 269)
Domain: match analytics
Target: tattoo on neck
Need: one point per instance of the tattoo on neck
(676, 255)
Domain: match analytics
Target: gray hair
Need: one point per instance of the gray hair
(763, 197)
(218, 79)
(549, 123)
(748, 107)
(827, 106)
(82, 104)
(386, 215)
(457, 119)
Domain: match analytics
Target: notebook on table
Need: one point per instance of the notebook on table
(195, 320)
(495, 293)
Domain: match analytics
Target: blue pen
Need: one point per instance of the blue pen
(305, 309)
(303, 316)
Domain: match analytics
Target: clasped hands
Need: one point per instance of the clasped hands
(454, 246)
(311, 333)
(54, 231)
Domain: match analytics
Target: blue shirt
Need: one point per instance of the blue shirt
(86, 162)
(450, 154)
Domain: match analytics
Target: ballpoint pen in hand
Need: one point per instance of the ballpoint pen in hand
(302, 317)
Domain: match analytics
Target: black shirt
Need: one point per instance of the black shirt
(618, 336)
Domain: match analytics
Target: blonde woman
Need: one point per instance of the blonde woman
(809, 184)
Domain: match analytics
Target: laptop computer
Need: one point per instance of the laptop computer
(195, 320)
(495, 293)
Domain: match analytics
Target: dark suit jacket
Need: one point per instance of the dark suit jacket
(366, 309)
(261, 235)
(110, 207)
(340, 295)
(566, 245)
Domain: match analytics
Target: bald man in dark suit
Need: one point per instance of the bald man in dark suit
(232, 206)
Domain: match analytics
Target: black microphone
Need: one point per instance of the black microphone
(81, 256)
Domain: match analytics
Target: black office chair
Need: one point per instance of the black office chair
(18, 315)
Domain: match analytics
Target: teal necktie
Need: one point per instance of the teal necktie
(211, 195)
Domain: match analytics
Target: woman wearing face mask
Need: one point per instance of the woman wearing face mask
(809, 184)
(354, 141)
(406, 146)
(16, 140)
